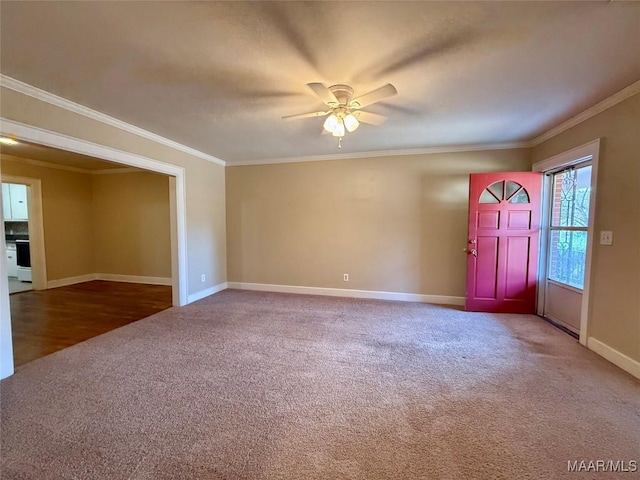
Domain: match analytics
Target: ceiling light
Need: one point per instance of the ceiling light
(331, 123)
(339, 130)
(344, 113)
(351, 122)
(8, 141)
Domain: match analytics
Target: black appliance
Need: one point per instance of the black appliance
(23, 253)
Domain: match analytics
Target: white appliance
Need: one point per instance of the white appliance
(12, 261)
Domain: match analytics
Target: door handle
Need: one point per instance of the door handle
(473, 252)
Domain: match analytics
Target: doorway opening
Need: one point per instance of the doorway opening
(569, 187)
(23, 233)
(15, 202)
(107, 238)
(176, 229)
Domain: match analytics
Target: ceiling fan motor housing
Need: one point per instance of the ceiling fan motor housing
(342, 92)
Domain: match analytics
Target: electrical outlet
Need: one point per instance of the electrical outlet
(345, 277)
(606, 237)
(203, 277)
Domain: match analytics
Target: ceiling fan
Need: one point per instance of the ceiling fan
(344, 111)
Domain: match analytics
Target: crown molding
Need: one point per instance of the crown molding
(26, 89)
(384, 153)
(68, 168)
(599, 107)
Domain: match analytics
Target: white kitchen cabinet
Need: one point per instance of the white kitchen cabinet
(19, 209)
(12, 263)
(14, 202)
(6, 202)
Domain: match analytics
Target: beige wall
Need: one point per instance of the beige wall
(131, 224)
(205, 195)
(67, 217)
(615, 277)
(395, 224)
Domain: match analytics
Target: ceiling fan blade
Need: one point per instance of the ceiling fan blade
(304, 115)
(368, 117)
(324, 94)
(374, 96)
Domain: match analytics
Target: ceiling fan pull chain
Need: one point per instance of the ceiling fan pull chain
(339, 143)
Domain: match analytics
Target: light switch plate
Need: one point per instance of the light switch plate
(606, 237)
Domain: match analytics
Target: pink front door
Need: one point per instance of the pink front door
(504, 226)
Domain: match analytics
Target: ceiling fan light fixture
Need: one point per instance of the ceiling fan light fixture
(344, 114)
(339, 129)
(331, 123)
(351, 123)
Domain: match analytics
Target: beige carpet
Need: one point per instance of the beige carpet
(247, 385)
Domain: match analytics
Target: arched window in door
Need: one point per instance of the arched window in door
(504, 191)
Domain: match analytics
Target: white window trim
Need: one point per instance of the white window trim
(587, 154)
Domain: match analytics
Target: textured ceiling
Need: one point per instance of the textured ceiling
(217, 76)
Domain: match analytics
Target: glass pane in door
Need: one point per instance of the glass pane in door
(567, 254)
(569, 222)
(571, 196)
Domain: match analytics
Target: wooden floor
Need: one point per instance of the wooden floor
(46, 321)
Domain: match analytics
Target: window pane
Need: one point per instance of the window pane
(520, 197)
(512, 187)
(486, 197)
(583, 193)
(571, 195)
(497, 189)
(567, 253)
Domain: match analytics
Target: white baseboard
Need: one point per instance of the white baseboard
(628, 364)
(110, 277)
(206, 292)
(343, 292)
(63, 282)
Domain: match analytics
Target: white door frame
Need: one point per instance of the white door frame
(36, 228)
(587, 152)
(177, 194)
(6, 340)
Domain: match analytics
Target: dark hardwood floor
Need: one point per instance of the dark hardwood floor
(46, 321)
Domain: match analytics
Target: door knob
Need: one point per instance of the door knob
(473, 252)
(472, 241)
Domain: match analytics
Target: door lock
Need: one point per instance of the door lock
(472, 241)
